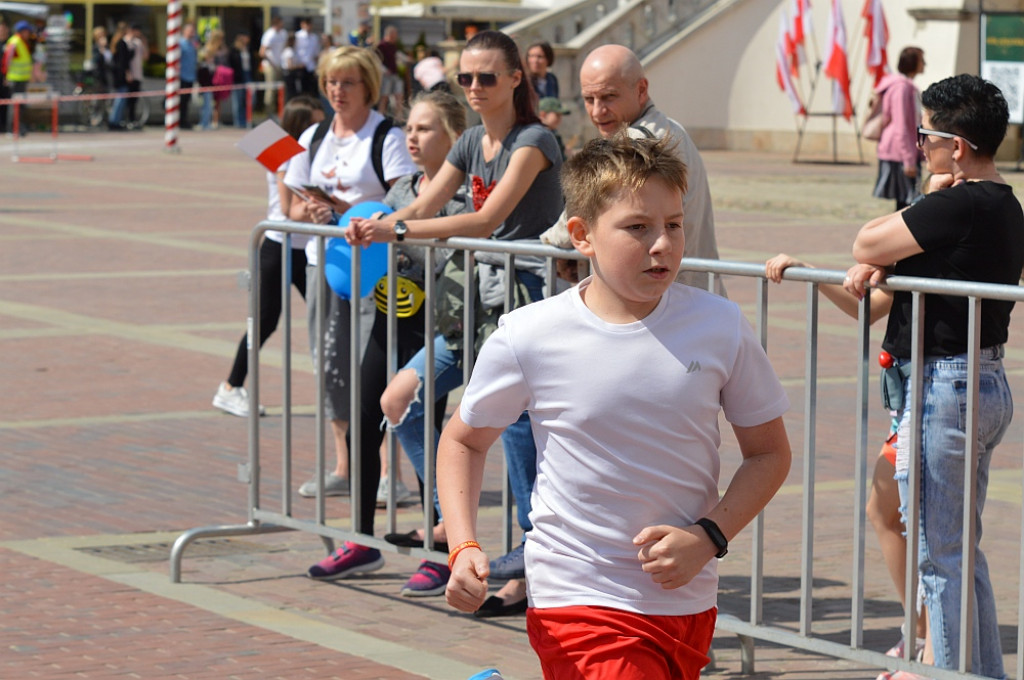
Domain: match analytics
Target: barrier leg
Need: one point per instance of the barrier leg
(746, 654)
(16, 129)
(183, 541)
(249, 94)
(63, 156)
(53, 127)
(17, 158)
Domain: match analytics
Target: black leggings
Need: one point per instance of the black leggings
(374, 374)
(271, 265)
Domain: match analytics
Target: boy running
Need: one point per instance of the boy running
(623, 376)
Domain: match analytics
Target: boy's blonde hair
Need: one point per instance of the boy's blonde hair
(361, 58)
(593, 178)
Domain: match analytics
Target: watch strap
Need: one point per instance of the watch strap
(716, 536)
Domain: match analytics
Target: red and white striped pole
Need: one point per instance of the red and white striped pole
(172, 110)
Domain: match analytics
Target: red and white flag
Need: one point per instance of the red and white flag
(836, 66)
(877, 32)
(783, 75)
(802, 25)
(801, 28)
(269, 145)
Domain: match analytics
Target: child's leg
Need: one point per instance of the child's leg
(883, 510)
(597, 643)
(402, 401)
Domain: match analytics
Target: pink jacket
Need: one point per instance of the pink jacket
(899, 138)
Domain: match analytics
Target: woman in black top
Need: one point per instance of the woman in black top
(968, 227)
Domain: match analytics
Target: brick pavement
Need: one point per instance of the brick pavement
(119, 312)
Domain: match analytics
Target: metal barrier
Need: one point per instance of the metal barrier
(262, 520)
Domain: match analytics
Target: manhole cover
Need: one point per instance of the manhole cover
(157, 552)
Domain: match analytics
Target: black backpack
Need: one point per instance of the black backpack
(376, 153)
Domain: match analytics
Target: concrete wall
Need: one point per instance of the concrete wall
(719, 81)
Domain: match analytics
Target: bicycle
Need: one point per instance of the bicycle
(95, 113)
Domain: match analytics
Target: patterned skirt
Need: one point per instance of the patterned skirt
(892, 183)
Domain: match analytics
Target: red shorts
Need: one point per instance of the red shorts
(598, 643)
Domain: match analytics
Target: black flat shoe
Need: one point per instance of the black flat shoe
(495, 606)
(409, 540)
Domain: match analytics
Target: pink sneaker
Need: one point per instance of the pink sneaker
(349, 559)
(429, 580)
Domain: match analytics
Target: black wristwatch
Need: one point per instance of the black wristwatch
(401, 229)
(716, 536)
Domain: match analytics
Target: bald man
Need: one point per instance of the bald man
(615, 95)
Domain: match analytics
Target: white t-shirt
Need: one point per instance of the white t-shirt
(343, 167)
(625, 418)
(274, 41)
(274, 212)
(307, 49)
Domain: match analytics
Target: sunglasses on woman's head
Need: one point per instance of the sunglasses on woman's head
(484, 78)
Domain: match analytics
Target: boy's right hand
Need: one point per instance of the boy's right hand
(467, 587)
(774, 267)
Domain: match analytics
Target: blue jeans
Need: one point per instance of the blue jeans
(206, 115)
(940, 522)
(517, 439)
(238, 109)
(117, 113)
(410, 431)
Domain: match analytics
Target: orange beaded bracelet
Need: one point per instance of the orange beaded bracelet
(459, 548)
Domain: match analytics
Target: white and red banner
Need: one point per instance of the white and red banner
(877, 32)
(801, 28)
(270, 145)
(784, 51)
(836, 65)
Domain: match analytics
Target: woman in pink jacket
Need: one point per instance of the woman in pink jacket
(899, 160)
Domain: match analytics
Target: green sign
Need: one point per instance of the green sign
(1004, 37)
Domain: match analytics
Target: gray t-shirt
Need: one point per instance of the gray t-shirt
(541, 205)
(411, 259)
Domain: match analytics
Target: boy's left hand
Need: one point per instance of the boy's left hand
(673, 556)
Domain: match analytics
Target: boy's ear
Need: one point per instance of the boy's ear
(579, 235)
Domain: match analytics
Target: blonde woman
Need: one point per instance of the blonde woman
(341, 164)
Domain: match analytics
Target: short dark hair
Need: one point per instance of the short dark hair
(971, 107)
(910, 60)
(545, 46)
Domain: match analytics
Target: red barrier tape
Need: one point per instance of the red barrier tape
(48, 97)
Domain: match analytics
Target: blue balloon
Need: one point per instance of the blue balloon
(338, 256)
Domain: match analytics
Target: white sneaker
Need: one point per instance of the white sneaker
(402, 494)
(233, 400)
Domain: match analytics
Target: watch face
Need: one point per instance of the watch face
(400, 229)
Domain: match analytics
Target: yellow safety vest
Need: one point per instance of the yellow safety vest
(19, 64)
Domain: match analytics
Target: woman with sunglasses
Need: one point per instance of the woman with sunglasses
(509, 164)
(967, 227)
(899, 160)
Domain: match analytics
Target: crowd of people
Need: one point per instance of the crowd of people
(621, 517)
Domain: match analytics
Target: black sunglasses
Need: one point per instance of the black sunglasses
(485, 79)
(922, 134)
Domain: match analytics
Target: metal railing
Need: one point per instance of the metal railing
(262, 519)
